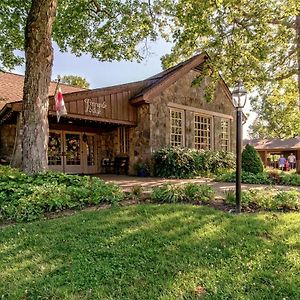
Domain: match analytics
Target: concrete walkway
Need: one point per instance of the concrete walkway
(147, 183)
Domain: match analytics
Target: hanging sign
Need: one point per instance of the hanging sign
(94, 108)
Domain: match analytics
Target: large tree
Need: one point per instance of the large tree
(257, 41)
(108, 30)
(277, 112)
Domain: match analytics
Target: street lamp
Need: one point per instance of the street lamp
(239, 97)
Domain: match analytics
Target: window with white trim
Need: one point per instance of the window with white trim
(203, 132)
(176, 127)
(123, 139)
(225, 140)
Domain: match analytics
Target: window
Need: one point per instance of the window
(203, 125)
(124, 139)
(54, 149)
(225, 135)
(176, 127)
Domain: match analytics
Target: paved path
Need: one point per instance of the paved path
(127, 182)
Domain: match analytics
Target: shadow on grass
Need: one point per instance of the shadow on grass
(153, 252)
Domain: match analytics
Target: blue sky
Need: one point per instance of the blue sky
(101, 74)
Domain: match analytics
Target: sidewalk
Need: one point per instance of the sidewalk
(127, 182)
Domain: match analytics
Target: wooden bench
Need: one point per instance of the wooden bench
(121, 165)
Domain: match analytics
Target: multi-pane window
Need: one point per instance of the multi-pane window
(176, 127)
(225, 142)
(124, 139)
(54, 149)
(203, 132)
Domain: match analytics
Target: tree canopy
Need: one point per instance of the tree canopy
(108, 30)
(257, 41)
(277, 112)
(75, 80)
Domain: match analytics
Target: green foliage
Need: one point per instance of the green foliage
(267, 199)
(251, 161)
(255, 41)
(26, 198)
(277, 112)
(75, 81)
(266, 177)
(168, 193)
(229, 196)
(136, 192)
(189, 192)
(197, 192)
(105, 193)
(108, 30)
(178, 162)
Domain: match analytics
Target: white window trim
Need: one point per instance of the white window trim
(123, 144)
(211, 129)
(182, 125)
(228, 132)
(172, 105)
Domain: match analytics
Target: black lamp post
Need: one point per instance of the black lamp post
(239, 97)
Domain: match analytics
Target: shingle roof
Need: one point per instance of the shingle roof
(270, 144)
(11, 88)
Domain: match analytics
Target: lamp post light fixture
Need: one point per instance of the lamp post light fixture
(239, 97)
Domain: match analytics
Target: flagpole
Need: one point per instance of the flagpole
(57, 86)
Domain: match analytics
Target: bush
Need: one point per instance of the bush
(168, 193)
(26, 198)
(196, 192)
(189, 192)
(267, 199)
(251, 161)
(268, 178)
(177, 162)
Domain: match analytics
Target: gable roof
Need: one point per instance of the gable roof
(11, 88)
(11, 85)
(273, 144)
(155, 84)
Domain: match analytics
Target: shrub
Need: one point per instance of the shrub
(229, 196)
(268, 199)
(290, 179)
(251, 161)
(288, 199)
(189, 192)
(196, 192)
(105, 192)
(26, 198)
(136, 192)
(177, 162)
(168, 193)
(270, 177)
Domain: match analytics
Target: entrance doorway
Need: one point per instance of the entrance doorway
(72, 152)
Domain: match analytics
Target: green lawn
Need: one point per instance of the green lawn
(153, 252)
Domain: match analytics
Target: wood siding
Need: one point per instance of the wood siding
(94, 105)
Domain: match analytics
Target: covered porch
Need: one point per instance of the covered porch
(94, 136)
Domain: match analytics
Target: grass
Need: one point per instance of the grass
(153, 252)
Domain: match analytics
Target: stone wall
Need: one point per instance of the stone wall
(7, 140)
(139, 143)
(182, 93)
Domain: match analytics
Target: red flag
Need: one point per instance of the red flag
(60, 104)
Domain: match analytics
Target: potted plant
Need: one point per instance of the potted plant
(142, 168)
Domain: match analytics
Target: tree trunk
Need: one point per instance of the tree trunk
(39, 59)
(298, 52)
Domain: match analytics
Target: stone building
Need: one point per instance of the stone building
(108, 127)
